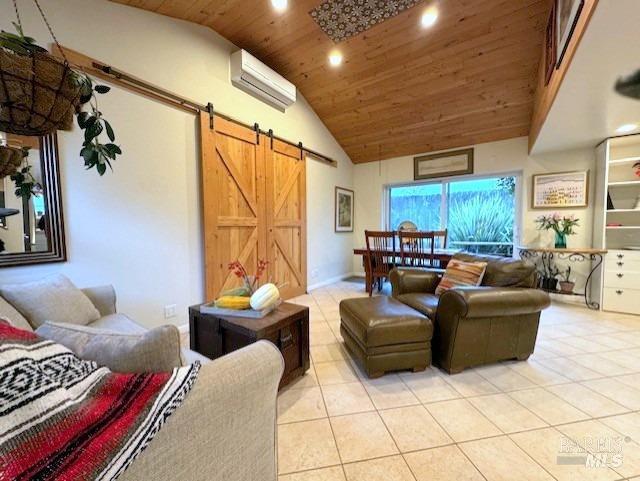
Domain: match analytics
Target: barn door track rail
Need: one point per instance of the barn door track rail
(118, 77)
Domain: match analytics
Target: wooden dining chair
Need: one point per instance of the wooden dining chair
(381, 257)
(440, 238)
(417, 248)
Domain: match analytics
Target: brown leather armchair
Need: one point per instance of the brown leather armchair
(477, 325)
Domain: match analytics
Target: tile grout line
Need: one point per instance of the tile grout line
(324, 403)
(544, 387)
(455, 443)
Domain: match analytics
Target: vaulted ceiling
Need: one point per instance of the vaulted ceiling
(401, 89)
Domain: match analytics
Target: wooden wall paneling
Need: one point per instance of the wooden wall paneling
(545, 95)
(286, 217)
(480, 57)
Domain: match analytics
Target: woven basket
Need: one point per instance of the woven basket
(10, 160)
(37, 94)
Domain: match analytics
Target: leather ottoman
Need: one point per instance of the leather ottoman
(385, 335)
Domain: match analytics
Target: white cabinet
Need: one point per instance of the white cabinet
(621, 300)
(617, 224)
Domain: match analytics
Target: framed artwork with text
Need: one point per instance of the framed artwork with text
(560, 190)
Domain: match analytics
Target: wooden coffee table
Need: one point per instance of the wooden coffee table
(287, 327)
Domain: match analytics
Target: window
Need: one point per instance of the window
(420, 204)
(479, 213)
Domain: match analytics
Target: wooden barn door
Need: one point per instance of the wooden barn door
(233, 201)
(286, 217)
(254, 207)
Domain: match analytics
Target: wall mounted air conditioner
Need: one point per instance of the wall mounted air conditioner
(251, 75)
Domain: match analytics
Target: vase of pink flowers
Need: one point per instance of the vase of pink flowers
(562, 225)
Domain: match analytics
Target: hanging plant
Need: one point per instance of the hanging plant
(40, 94)
(95, 153)
(26, 184)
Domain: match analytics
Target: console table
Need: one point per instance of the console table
(548, 255)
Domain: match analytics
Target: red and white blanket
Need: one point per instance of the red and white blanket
(67, 419)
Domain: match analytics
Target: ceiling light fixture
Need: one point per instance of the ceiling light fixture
(626, 128)
(429, 17)
(279, 5)
(335, 58)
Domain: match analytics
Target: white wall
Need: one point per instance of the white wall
(508, 156)
(139, 227)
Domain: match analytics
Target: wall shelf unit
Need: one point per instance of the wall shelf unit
(627, 160)
(617, 195)
(624, 183)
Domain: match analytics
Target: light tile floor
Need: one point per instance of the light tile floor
(495, 423)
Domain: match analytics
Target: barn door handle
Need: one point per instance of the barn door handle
(286, 340)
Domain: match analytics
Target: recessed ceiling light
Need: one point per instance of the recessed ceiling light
(335, 58)
(279, 5)
(429, 17)
(626, 128)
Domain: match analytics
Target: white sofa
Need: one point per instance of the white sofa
(226, 428)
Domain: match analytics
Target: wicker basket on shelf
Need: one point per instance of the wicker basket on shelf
(11, 159)
(38, 94)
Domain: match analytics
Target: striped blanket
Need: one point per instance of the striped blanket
(67, 419)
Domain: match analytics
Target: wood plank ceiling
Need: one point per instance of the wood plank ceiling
(401, 89)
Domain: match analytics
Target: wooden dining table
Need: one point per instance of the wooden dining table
(441, 256)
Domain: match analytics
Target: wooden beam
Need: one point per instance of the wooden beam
(546, 94)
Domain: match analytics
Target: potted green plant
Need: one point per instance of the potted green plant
(549, 281)
(566, 285)
(40, 94)
(563, 226)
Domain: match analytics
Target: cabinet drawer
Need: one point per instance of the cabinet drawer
(620, 255)
(621, 300)
(622, 265)
(621, 278)
(292, 340)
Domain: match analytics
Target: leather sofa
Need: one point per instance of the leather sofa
(495, 321)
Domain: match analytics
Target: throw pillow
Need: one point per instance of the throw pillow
(7, 311)
(54, 298)
(157, 350)
(460, 273)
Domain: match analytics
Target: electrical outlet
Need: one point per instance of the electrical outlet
(314, 273)
(170, 311)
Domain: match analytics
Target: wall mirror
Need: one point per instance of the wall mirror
(32, 229)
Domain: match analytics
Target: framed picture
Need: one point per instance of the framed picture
(550, 45)
(444, 164)
(567, 14)
(560, 190)
(344, 210)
